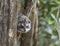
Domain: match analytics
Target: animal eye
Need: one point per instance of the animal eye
(29, 22)
(27, 26)
(22, 27)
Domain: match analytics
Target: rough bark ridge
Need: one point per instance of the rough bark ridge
(8, 22)
(4, 13)
(13, 23)
(35, 35)
(27, 6)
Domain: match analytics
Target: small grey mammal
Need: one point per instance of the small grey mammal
(24, 23)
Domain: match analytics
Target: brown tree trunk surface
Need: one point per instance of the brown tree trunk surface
(4, 13)
(13, 23)
(35, 35)
(8, 22)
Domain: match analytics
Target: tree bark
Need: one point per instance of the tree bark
(8, 22)
(18, 11)
(27, 6)
(4, 13)
(35, 35)
(13, 23)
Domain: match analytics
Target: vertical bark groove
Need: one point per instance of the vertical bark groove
(13, 23)
(4, 7)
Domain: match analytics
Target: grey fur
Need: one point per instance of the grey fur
(24, 23)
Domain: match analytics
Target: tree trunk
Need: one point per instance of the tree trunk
(8, 22)
(4, 12)
(27, 6)
(35, 35)
(13, 23)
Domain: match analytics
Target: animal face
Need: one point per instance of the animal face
(24, 24)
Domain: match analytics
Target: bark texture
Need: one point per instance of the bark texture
(13, 23)
(35, 35)
(27, 6)
(4, 13)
